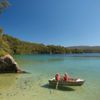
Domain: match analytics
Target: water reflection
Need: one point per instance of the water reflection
(55, 59)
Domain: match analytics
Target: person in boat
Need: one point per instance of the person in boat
(65, 77)
(57, 77)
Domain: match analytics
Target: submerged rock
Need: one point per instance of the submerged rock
(9, 65)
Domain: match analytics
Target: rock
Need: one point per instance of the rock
(9, 65)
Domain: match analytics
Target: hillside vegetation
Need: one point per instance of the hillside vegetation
(9, 44)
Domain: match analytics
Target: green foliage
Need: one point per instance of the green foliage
(76, 50)
(4, 47)
(15, 46)
(56, 49)
(1, 30)
(2, 52)
(3, 4)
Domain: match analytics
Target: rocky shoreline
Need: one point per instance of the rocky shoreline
(9, 65)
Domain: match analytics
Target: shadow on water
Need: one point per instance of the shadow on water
(59, 88)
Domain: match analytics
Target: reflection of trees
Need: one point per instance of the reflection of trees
(55, 59)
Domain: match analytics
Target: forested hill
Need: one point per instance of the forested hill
(16, 46)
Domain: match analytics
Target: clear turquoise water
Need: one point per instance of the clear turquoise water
(33, 86)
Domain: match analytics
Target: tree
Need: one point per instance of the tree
(3, 4)
(4, 47)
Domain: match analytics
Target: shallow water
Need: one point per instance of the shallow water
(34, 86)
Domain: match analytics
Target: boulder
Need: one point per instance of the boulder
(9, 65)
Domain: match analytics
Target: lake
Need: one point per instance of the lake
(34, 86)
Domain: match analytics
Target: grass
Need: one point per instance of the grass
(2, 52)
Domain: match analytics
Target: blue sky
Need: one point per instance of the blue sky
(58, 22)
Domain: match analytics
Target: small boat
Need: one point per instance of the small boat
(69, 82)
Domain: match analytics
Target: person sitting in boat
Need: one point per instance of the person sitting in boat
(57, 77)
(65, 77)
